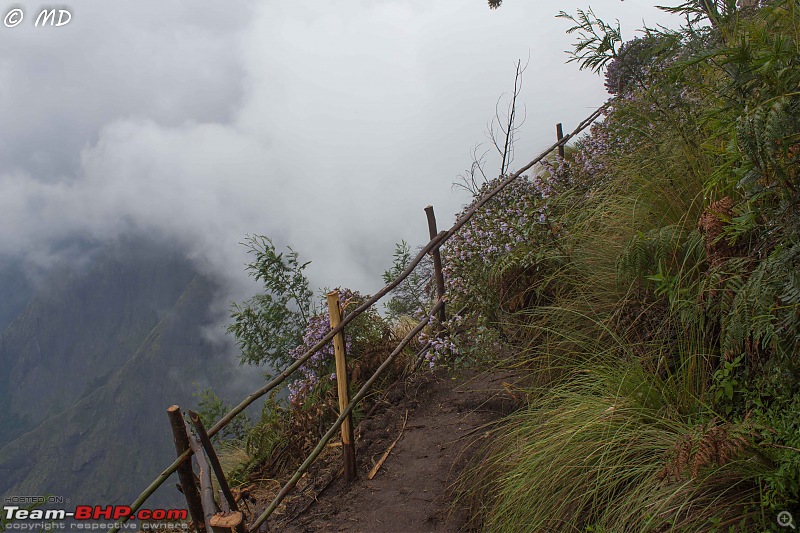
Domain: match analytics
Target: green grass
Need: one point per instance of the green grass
(596, 454)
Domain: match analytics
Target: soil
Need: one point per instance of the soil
(442, 421)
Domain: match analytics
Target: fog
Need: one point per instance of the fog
(327, 126)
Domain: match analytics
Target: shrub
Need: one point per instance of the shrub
(290, 426)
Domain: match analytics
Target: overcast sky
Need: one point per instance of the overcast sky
(326, 125)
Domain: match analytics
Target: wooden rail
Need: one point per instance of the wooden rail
(432, 246)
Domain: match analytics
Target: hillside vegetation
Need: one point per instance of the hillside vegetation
(647, 283)
(650, 284)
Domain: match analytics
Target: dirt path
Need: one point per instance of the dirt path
(445, 419)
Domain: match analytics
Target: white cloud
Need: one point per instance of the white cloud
(328, 127)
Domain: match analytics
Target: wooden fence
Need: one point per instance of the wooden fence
(202, 505)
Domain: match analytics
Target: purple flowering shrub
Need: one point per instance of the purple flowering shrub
(320, 370)
(442, 346)
(636, 62)
(507, 222)
(365, 337)
(311, 404)
(488, 263)
(289, 427)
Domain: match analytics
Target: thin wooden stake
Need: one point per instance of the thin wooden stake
(560, 135)
(348, 444)
(206, 488)
(437, 262)
(214, 460)
(385, 455)
(185, 472)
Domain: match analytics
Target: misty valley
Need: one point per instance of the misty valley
(90, 358)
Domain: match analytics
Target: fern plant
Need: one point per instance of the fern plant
(759, 310)
(598, 42)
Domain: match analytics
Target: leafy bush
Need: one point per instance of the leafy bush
(291, 425)
(483, 270)
(414, 294)
(269, 325)
(211, 408)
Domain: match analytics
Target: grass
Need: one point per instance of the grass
(597, 453)
(613, 307)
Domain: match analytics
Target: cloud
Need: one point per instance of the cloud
(171, 62)
(329, 128)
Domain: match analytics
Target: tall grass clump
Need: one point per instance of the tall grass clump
(607, 452)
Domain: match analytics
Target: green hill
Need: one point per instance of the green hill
(89, 366)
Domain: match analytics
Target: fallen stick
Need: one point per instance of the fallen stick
(387, 452)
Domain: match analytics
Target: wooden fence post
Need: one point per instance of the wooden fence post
(560, 135)
(206, 487)
(185, 472)
(232, 521)
(437, 262)
(348, 445)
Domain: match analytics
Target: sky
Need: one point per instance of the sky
(328, 126)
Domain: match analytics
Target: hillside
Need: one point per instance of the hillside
(15, 290)
(90, 364)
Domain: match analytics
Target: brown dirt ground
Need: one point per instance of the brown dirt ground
(442, 421)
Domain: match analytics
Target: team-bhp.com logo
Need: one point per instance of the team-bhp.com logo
(93, 512)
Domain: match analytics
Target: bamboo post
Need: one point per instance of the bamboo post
(214, 460)
(348, 446)
(437, 262)
(560, 135)
(185, 472)
(206, 487)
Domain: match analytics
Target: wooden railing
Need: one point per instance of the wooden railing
(432, 247)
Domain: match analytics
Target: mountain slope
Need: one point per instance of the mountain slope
(91, 365)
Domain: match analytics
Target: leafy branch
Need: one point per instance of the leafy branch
(270, 324)
(598, 42)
